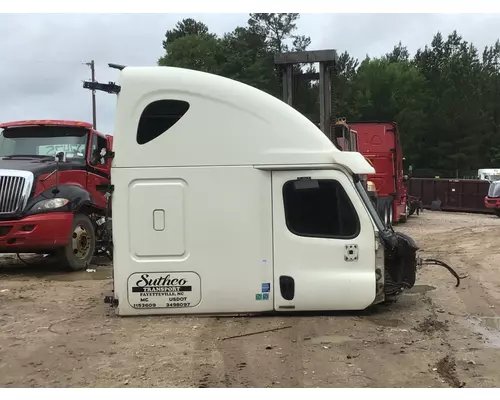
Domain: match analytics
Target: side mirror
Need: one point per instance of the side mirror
(102, 154)
(99, 157)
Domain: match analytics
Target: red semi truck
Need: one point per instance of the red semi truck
(50, 202)
(380, 143)
(346, 139)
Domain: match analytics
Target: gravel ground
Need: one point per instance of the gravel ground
(56, 331)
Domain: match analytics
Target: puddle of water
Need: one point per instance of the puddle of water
(492, 323)
(421, 289)
(489, 327)
(331, 339)
(100, 274)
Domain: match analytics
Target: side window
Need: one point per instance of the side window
(158, 117)
(93, 147)
(98, 143)
(101, 143)
(319, 208)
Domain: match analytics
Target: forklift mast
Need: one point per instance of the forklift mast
(327, 59)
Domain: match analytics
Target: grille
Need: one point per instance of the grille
(11, 193)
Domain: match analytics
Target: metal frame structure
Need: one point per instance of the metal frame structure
(327, 59)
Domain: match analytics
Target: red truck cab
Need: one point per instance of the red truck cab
(380, 143)
(50, 171)
(492, 199)
(345, 138)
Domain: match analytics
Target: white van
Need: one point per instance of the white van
(227, 200)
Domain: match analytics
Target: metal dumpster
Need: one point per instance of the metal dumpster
(466, 195)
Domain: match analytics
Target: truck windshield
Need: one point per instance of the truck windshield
(369, 205)
(44, 141)
(493, 177)
(494, 190)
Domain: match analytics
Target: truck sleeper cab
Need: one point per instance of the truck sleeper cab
(48, 205)
(227, 200)
(380, 142)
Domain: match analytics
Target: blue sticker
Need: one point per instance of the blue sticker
(265, 296)
(266, 287)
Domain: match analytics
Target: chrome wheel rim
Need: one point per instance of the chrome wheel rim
(80, 242)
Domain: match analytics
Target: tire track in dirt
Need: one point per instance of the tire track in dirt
(446, 366)
(249, 361)
(231, 370)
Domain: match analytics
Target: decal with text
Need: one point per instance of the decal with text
(164, 290)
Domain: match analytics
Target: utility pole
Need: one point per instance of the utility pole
(92, 70)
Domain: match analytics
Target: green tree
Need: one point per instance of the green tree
(186, 27)
(453, 72)
(277, 27)
(191, 45)
(385, 90)
(248, 60)
(445, 99)
(201, 53)
(343, 76)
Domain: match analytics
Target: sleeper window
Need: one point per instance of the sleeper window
(158, 117)
(319, 208)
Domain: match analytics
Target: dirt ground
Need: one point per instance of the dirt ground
(57, 332)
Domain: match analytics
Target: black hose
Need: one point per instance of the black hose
(431, 261)
(23, 261)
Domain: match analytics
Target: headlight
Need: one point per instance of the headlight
(50, 204)
(370, 186)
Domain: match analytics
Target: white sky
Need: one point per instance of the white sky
(43, 54)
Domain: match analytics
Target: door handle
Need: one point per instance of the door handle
(287, 287)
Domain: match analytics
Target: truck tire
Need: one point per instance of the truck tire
(497, 212)
(386, 214)
(78, 253)
(390, 213)
(404, 217)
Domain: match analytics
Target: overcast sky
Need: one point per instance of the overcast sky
(43, 55)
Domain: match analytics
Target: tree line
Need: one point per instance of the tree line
(445, 98)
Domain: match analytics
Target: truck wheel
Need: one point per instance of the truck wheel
(497, 212)
(78, 253)
(387, 214)
(390, 214)
(404, 218)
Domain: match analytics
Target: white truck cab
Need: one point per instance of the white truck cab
(227, 201)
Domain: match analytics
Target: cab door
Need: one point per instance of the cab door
(97, 173)
(324, 243)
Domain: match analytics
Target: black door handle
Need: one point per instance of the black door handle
(287, 287)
